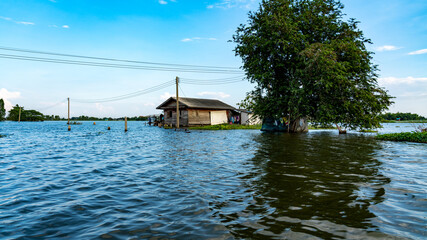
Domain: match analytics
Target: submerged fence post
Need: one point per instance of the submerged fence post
(126, 124)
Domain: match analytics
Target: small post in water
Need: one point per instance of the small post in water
(126, 124)
(69, 128)
(68, 111)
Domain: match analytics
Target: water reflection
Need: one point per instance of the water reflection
(316, 184)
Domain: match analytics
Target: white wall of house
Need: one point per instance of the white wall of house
(249, 119)
(218, 117)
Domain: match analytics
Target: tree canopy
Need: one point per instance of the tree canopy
(308, 62)
(26, 115)
(2, 110)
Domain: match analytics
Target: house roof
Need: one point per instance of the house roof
(195, 103)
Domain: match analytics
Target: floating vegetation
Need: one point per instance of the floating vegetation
(368, 130)
(226, 127)
(419, 137)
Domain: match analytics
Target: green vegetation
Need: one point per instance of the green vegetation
(2, 110)
(368, 130)
(226, 127)
(420, 137)
(308, 62)
(403, 117)
(2, 136)
(26, 115)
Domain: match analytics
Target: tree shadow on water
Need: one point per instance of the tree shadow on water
(309, 185)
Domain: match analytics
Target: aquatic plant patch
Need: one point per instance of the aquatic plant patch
(420, 137)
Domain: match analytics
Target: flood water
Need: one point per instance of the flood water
(91, 183)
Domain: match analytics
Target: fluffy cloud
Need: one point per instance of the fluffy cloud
(218, 95)
(165, 96)
(7, 96)
(422, 51)
(65, 26)
(395, 80)
(387, 48)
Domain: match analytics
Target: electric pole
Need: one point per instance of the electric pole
(68, 111)
(177, 103)
(19, 117)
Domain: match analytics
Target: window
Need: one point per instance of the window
(170, 114)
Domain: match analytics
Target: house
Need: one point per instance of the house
(248, 118)
(196, 111)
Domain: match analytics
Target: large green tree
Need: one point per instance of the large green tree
(26, 115)
(308, 62)
(2, 110)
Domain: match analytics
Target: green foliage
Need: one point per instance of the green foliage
(402, 116)
(26, 115)
(226, 127)
(420, 137)
(308, 62)
(2, 110)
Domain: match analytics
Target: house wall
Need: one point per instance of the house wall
(249, 119)
(219, 117)
(199, 117)
(171, 120)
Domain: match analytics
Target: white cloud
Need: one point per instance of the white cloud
(165, 96)
(219, 95)
(26, 23)
(149, 104)
(422, 51)
(406, 80)
(65, 26)
(163, 2)
(227, 4)
(104, 109)
(387, 48)
(17, 22)
(197, 38)
(7, 96)
(54, 1)
(6, 18)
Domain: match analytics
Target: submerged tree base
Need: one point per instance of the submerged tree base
(419, 137)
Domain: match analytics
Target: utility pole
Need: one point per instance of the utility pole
(177, 103)
(19, 117)
(68, 111)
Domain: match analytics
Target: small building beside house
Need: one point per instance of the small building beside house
(197, 111)
(248, 118)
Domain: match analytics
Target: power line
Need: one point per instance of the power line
(111, 65)
(109, 59)
(126, 96)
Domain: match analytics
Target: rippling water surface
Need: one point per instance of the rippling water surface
(91, 183)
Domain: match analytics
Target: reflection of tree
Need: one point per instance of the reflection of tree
(316, 184)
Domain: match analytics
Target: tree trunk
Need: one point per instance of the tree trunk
(340, 130)
(298, 125)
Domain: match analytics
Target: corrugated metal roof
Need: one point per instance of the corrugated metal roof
(196, 103)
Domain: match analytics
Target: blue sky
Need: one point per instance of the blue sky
(178, 31)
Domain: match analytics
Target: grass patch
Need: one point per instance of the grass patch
(321, 127)
(368, 131)
(226, 127)
(404, 121)
(419, 137)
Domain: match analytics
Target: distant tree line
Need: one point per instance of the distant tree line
(402, 116)
(36, 116)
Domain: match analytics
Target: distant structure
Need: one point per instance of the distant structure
(197, 112)
(248, 118)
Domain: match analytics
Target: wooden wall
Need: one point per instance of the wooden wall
(183, 117)
(199, 117)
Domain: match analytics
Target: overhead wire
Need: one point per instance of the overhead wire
(111, 59)
(111, 65)
(129, 95)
